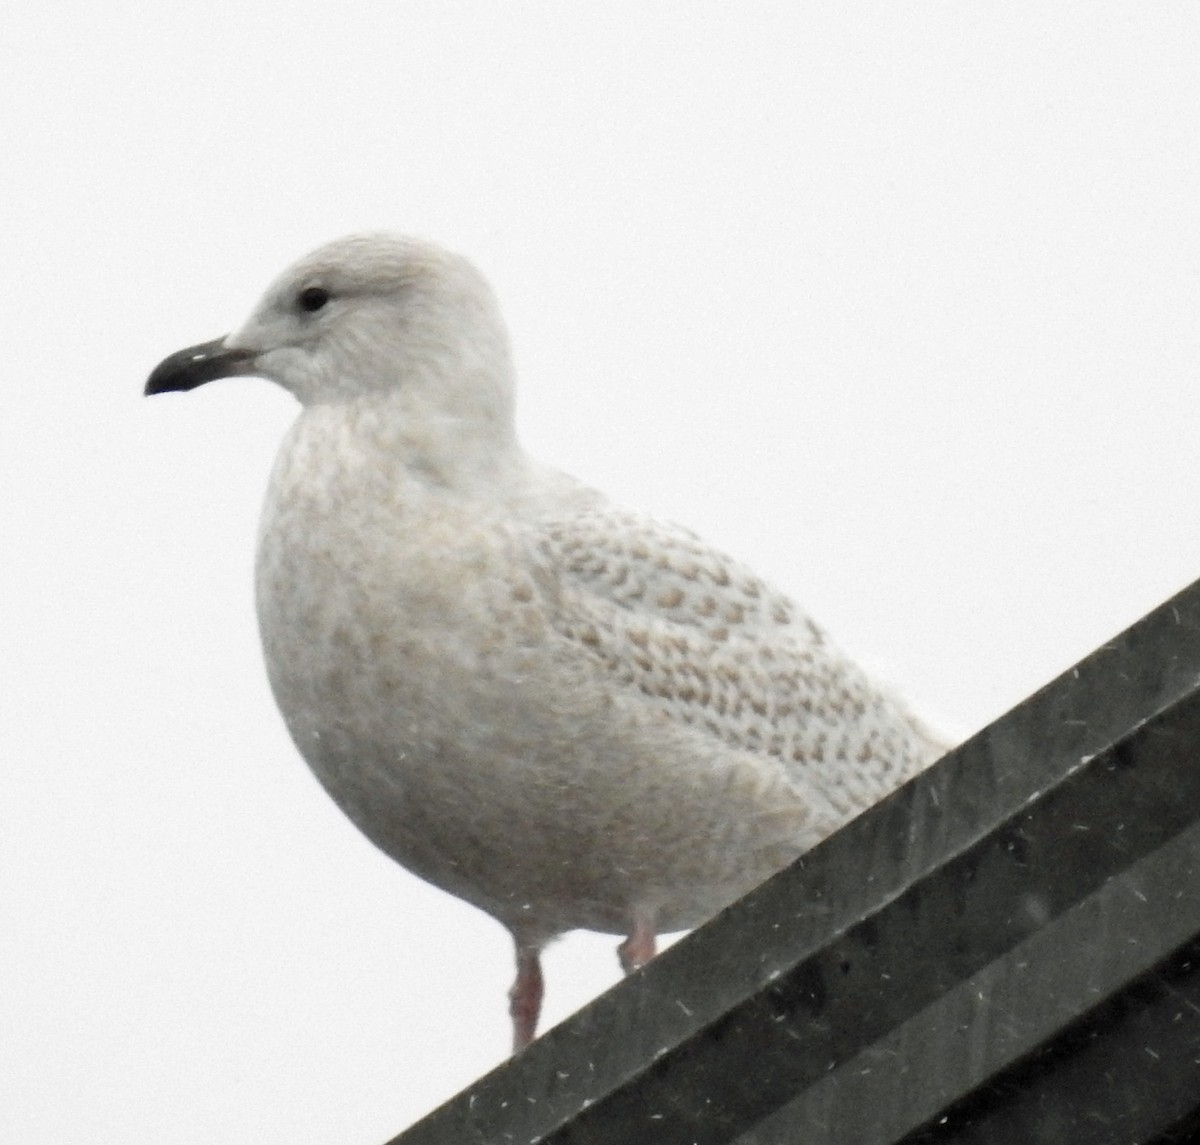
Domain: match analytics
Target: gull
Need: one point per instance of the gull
(566, 713)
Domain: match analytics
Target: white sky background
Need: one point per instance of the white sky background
(898, 302)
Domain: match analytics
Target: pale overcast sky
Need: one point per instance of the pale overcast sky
(897, 302)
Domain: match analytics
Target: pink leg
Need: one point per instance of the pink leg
(525, 997)
(640, 946)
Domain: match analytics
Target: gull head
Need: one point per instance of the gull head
(371, 317)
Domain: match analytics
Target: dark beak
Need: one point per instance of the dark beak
(196, 365)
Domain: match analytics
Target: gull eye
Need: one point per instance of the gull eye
(312, 298)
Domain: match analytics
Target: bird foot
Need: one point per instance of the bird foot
(640, 946)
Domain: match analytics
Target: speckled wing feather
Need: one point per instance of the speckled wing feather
(709, 644)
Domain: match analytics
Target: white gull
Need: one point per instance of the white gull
(564, 712)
